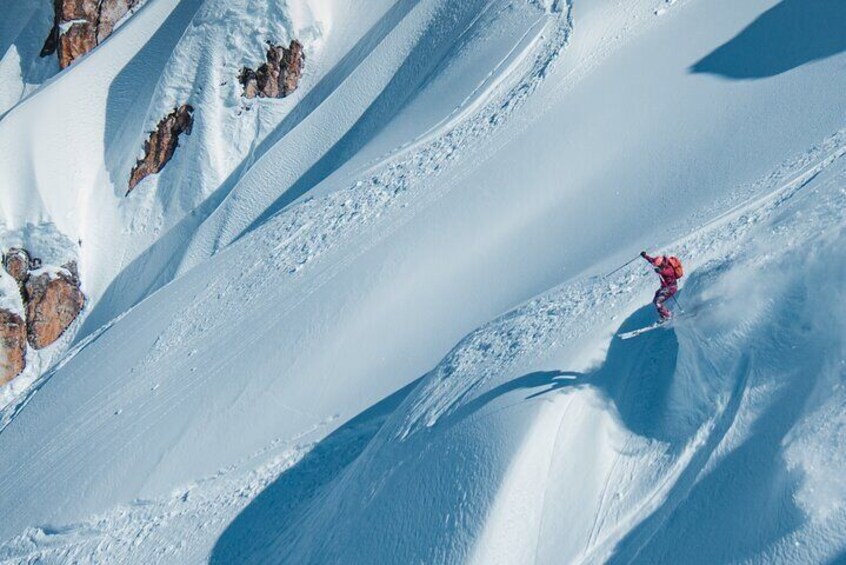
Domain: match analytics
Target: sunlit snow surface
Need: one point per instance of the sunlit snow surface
(368, 323)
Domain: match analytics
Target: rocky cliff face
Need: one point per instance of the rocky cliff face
(161, 146)
(81, 25)
(54, 300)
(12, 346)
(279, 76)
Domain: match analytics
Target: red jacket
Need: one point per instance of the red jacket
(664, 270)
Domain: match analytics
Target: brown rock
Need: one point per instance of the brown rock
(111, 12)
(16, 263)
(80, 25)
(54, 302)
(78, 40)
(293, 63)
(74, 30)
(77, 9)
(279, 76)
(159, 149)
(12, 346)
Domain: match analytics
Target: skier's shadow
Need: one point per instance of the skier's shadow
(637, 376)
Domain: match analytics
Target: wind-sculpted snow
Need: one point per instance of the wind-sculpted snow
(584, 303)
(202, 69)
(456, 133)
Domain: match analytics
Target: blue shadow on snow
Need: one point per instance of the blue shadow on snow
(636, 376)
(787, 36)
(278, 506)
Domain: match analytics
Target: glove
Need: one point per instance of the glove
(643, 254)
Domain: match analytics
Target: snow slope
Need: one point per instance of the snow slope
(442, 163)
(537, 440)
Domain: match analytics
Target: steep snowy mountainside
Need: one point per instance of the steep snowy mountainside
(266, 281)
(70, 146)
(423, 47)
(254, 379)
(416, 54)
(99, 112)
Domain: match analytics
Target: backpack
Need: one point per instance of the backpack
(675, 263)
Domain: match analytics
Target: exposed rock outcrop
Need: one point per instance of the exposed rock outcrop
(54, 300)
(80, 25)
(279, 76)
(161, 146)
(16, 263)
(111, 12)
(12, 346)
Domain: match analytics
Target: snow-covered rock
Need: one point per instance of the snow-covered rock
(12, 328)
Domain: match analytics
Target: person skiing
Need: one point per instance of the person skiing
(670, 270)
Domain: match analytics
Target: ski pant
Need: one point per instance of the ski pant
(661, 296)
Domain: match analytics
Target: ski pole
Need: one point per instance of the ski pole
(621, 267)
(676, 300)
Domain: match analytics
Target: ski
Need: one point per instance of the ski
(635, 333)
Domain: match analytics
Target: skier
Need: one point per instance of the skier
(670, 270)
